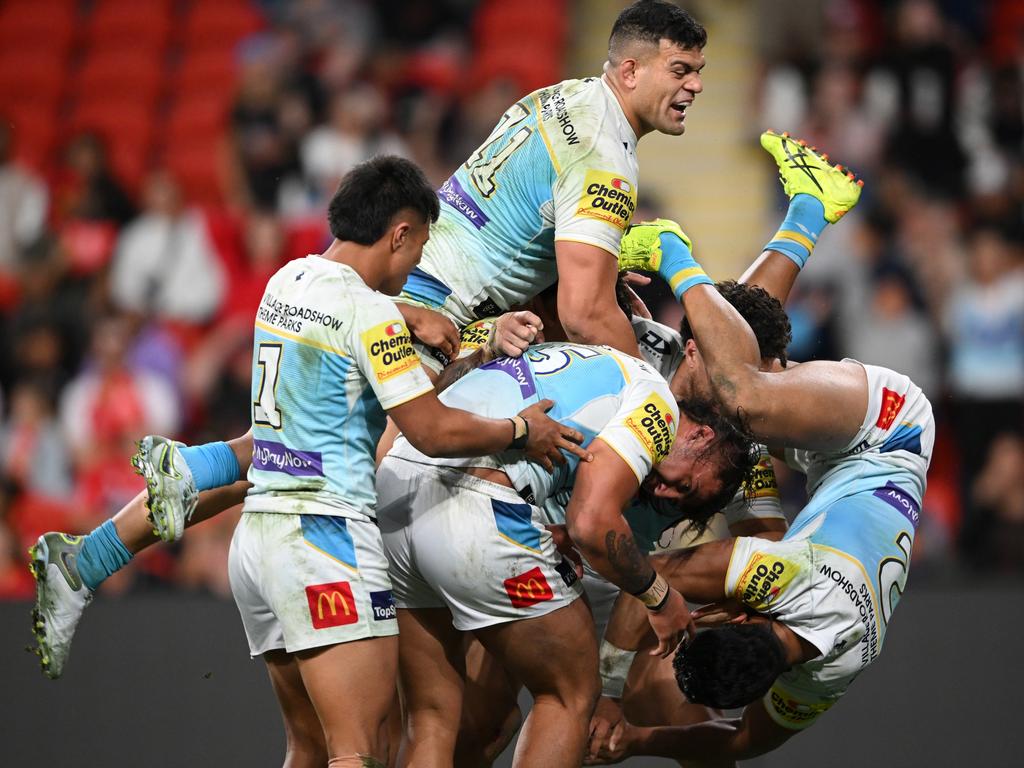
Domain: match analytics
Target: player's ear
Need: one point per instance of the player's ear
(400, 235)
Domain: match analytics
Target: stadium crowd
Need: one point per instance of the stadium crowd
(126, 305)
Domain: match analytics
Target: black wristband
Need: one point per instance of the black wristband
(519, 441)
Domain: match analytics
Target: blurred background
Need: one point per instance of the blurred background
(160, 159)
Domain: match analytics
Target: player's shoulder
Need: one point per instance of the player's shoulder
(579, 123)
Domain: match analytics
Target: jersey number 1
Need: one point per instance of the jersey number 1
(481, 171)
(264, 410)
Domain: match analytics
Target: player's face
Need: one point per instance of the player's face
(408, 248)
(666, 85)
(688, 476)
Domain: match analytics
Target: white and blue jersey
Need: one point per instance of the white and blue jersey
(330, 356)
(560, 165)
(600, 392)
(838, 573)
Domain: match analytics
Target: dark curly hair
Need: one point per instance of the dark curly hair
(731, 666)
(735, 451)
(651, 21)
(763, 313)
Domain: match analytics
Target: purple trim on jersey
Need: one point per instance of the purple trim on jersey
(902, 501)
(517, 368)
(270, 456)
(451, 192)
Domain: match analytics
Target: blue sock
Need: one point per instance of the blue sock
(800, 230)
(102, 554)
(213, 465)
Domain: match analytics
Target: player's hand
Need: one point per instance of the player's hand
(547, 438)
(729, 611)
(565, 546)
(605, 720)
(512, 333)
(636, 304)
(622, 742)
(670, 623)
(432, 328)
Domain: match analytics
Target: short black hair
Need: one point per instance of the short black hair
(763, 313)
(731, 666)
(651, 21)
(734, 449)
(371, 195)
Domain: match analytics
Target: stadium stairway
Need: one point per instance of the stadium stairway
(715, 180)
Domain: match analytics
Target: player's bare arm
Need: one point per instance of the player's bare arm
(595, 522)
(586, 297)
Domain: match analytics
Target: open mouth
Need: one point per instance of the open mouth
(680, 108)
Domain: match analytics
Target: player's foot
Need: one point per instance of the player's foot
(640, 247)
(60, 598)
(171, 488)
(804, 169)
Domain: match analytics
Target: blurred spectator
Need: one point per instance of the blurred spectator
(357, 130)
(997, 501)
(23, 205)
(108, 405)
(33, 454)
(985, 327)
(16, 582)
(892, 333)
(86, 187)
(164, 264)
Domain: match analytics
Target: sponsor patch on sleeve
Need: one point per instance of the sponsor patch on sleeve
(762, 483)
(892, 404)
(607, 197)
(475, 335)
(790, 713)
(763, 580)
(654, 426)
(389, 347)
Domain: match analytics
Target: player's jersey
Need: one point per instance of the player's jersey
(837, 575)
(560, 165)
(660, 346)
(329, 357)
(597, 390)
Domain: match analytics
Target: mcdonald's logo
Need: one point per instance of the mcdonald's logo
(528, 589)
(892, 404)
(331, 605)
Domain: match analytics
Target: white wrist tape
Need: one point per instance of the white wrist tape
(615, 664)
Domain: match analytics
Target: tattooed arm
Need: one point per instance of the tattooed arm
(594, 518)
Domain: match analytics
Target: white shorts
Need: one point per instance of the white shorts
(305, 581)
(472, 546)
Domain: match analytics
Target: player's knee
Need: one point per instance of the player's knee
(355, 761)
(305, 750)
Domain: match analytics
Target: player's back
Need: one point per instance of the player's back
(560, 163)
(596, 390)
(316, 419)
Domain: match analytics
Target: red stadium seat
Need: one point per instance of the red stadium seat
(212, 25)
(35, 133)
(197, 167)
(192, 117)
(117, 119)
(134, 74)
(208, 72)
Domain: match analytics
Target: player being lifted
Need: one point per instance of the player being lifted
(805, 615)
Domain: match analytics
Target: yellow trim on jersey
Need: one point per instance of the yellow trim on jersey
(578, 239)
(328, 554)
(625, 373)
(404, 400)
(728, 568)
(544, 136)
(518, 544)
(788, 234)
(301, 340)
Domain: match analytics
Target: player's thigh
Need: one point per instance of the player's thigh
(432, 666)
(352, 686)
(490, 707)
(552, 653)
(301, 722)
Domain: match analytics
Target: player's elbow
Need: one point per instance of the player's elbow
(584, 321)
(587, 533)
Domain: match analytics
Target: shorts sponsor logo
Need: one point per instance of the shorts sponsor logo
(453, 194)
(762, 483)
(902, 501)
(518, 369)
(383, 604)
(271, 456)
(607, 197)
(389, 347)
(763, 580)
(654, 426)
(795, 712)
(892, 404)
(331, 605)
(528, 589)
(567, 572)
